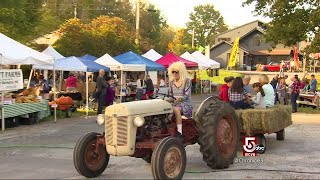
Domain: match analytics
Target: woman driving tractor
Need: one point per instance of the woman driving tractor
(180, 88)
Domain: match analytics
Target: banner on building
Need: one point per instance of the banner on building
(234, 52)
(11, 79)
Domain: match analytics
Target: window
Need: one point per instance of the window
(257, 40)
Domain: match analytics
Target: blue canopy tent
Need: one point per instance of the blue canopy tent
(75, 64)
(89, 57)
(133, 58)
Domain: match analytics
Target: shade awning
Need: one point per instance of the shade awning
(213, 64)
(133, 58)
(201, 64)
(15, 53)
(50, 51)
(114, 65)
(152, 55)
(170, 58)
(73, 64)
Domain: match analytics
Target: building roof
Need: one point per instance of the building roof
(271, 53)
(253, 30)
(230, 44)
(256, 21)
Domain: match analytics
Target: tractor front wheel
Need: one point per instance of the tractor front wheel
(219, 132)
(168, 159)
(88, 162)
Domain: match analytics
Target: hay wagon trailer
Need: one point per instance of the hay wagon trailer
(258, 122)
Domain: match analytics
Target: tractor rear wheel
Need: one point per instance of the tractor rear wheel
(168, 159)
(219, 132)
(87, 162)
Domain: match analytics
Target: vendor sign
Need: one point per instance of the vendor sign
(11, 79)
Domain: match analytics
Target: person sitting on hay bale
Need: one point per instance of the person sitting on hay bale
(268, 90)
(258, 100)
(223, 95)
(237, 96)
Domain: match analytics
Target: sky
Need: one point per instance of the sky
(177, 11)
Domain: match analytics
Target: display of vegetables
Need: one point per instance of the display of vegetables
(27, 96)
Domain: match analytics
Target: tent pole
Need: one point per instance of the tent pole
(87, 94)
(54, 92)
(2, 113)
(120, 92)
(31, 72)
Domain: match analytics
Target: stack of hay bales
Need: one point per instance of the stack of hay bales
(266, 120)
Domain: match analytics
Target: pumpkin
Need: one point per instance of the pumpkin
(64, 100)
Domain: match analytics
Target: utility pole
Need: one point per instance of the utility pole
(137, 22)
(75, 9)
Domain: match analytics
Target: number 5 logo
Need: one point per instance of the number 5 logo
(249, 144)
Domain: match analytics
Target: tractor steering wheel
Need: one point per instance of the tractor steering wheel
(165, 95)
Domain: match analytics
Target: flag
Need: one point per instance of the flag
(296, 56)
(234, 53)
(200, 48)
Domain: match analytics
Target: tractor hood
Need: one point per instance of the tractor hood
(141, 108)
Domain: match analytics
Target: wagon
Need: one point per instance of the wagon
(258, 122)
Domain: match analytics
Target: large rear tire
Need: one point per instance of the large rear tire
(168, 159)
(86, 161)
(219, 132)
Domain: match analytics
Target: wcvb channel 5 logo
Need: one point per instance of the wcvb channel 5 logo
(250, 146)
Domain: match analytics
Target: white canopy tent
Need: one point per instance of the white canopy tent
(201, 63)
(114, 65)
(15, 53)
(52, 52)
(213, 64)
(152, 55)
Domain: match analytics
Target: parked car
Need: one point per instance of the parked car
(274, 66)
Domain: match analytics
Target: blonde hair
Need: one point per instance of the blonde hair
(178, 66)
(264, 79)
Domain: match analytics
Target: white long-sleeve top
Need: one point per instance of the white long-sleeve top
(259, 101)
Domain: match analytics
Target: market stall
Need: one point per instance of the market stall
(202, 65)
(74, 64)
(114, 65)
(133, 58)
(14, 53)
(153, 56)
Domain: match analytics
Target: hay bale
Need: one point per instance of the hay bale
(267, 120)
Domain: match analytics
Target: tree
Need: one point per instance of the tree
(179, 45)
(103, 34)
(292, 21)
(25, 20)
(206, 22)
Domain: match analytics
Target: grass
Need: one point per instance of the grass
(218, 79)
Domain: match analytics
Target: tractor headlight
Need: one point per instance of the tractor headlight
(100, 119)
(138, 121)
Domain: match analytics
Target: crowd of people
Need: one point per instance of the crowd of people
(237, 91)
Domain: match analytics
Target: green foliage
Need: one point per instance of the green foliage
(292, 21)
(25, 20)
(103, 34)
(206, 22)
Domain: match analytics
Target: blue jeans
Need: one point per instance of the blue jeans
(240, 104)
(294, 97)
(101, 103)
